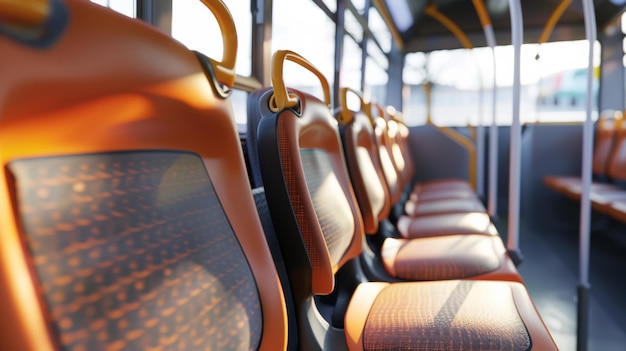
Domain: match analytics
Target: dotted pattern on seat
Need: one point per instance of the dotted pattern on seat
(447, 315)
(331, 206)
(133, 251)
(453, 257)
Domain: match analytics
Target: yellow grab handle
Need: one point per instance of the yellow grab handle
(554, 18)
(433, 12)
(483, 15)
(281, 98)
(381, 111)
(224, 70)
(345, 117)
(24, 12)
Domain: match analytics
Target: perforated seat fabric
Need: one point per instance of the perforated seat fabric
(128, 221)
(442, 206)
(442, 184)
(117, 237)
(446, 224)
(442, 194)
(448, 257)
(447, 315)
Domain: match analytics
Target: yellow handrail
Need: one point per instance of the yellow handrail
(432, 11)
(24, 12)
(467, 144)
(345, 117)
(281, 98)
(483, 15)
(224, 70)
(554, 18)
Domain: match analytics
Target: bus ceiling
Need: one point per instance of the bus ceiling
(420, 32)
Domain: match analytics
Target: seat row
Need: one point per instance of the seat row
(128, 220)
(329, 181)
(607, 192)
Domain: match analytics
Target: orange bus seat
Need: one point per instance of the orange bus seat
(320, 229)
(607, 187)
(448, 257)
(392, 162)
(605, 145)
(399, 132)
(128, 221)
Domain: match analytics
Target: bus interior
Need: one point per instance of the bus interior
(312, 175)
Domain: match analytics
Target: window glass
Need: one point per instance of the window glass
(455, 87)
(373, 51)
(353, 26)
(379, 29)
(413, 92)
(239, 99)
(195, 26)
(375, 82)
(553, 88)
(359, 5)
(414, 70)
(125, 7)
(302, 27)
(351, 64)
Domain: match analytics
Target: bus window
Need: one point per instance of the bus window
(194, 26)
(379, 29)
(552, 86)
(359, 5)
(353, 27)
(351, 64)
(413, 95)
(124, 7)
(560, 85)
(376, 73)
(302, 27)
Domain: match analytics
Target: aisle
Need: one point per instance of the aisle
(550, 271)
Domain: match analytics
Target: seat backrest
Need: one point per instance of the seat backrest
(616, 167)
(127, 217)
(311, 201)
(400, 131)
(307, 185)
(363, 161)
(385, 151)
(604, 144)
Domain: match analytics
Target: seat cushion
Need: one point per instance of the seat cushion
(558, 183)
(601, 200)
(448, 257)
(442, 184)
(422, 208)
(442, 194)
(446, 224)
(445, 315)
(575, 190)
(618, 210)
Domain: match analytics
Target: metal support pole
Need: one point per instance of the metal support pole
(584, 287)
(490, 37)
(516, 133)
(492, 203)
